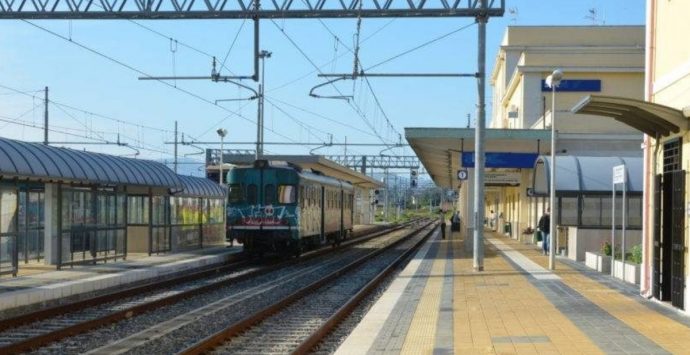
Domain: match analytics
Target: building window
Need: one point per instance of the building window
(672, 156)
(137, 209)
(568, 211)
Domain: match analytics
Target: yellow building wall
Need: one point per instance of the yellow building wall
(670, 38)
(574, 35)
(613, 84)
(670, 79)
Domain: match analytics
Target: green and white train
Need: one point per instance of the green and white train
(279, 207)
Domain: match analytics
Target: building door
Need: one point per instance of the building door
(668, 283)
(678, 240)
(656, 265)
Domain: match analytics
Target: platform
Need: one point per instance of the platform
(47, 285)
(439, 305)
(40, 285)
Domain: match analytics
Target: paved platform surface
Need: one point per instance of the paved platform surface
(51, 285)
(439, 305)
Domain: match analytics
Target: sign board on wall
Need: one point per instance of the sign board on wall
(502, 178)
(619, 174)
(574, 86)
(502, 160)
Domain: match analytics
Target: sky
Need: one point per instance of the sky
(92, 70)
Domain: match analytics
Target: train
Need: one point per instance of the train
(280, 207)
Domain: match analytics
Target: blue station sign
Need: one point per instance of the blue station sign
(574, 86)
(502, 160)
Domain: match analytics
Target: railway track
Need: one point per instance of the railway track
(298, 323)
(37, 329)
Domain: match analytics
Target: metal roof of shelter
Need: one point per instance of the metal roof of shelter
(583, 174)
(439, 149)
(200, 187)
(650, 118)
(36, 161)
(314, 162)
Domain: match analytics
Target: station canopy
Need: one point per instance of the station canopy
(583, 174)
(443, 151)
(39, 162)
(200, 187)
(650, 118)
(314, 162)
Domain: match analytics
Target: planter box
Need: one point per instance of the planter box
(630, 273)
(598, 262)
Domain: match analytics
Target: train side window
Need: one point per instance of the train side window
(269, 194)
(235, 194)
(252, 194)
(301, 196)
(286, 194)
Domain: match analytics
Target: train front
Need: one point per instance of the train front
(262, 207)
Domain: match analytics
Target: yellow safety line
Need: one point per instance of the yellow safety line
(421, 335)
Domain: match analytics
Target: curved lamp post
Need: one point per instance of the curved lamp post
(553, 81)
(222, 132)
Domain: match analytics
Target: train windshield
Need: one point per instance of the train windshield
(269, 194)
(252, 194)
(235, 194)
(287, 194)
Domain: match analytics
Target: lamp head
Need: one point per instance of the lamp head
(554, 79)
(221, 132)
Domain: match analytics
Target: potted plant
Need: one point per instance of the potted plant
(629, 271)
(600, 261)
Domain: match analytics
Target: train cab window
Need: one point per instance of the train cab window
(287, 194)
(235, 194)
(301, 196)
(269, 194)
(252, 194)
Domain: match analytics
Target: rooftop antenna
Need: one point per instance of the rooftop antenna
(593, 15)
(514, 14)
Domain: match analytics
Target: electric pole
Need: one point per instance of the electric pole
(260, 124)
(175, 150)
(45, 118)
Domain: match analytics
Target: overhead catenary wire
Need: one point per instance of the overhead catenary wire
(134, 69)
(308, 74)
(353, 106)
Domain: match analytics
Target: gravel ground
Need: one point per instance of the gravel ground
(193, 332)
(331, 343)
(282, 332)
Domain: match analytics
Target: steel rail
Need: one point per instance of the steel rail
(212, 341)
(320, 334)
(52, 336)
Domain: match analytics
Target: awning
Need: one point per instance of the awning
(200, 187)
(441, 150)
(583, 174)
(34, 161)
(652, 119)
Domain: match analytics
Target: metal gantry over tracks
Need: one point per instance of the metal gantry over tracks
(240, 9)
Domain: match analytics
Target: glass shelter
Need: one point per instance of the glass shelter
(64, 207)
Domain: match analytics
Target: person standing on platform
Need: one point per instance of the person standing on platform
(443, 225)
(544, 228)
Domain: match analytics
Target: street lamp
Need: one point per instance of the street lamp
(222, 132)
(553, 81)
(260, 124)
